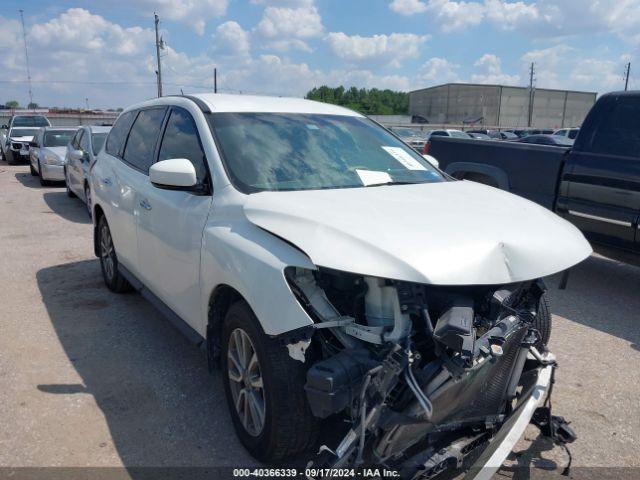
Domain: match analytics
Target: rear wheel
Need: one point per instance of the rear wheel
(114, 280)
(265, 389)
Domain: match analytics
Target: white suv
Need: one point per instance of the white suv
(331, 271)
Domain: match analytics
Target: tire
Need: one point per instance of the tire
(43, 182)
(10, 158)
(70, 193)
(113, 279)
(543, 322)
(32, 170)
(288, 428)
(87, 199)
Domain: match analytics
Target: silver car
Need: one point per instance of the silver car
(47, 152)
(81, 154)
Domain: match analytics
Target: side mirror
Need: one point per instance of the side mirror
(431, 160)
(175, 173)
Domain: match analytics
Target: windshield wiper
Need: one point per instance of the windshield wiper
(393, 182)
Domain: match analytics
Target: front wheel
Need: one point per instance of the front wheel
(70, 193)
(87, 199)
(43, 182)
(114, 280)
(264, 387)
(543, 322)
(32, 170)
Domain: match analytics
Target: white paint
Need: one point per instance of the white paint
(404, 158)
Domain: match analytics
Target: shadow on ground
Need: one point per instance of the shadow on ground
(71, 209)
(587, 299)
(161, 405)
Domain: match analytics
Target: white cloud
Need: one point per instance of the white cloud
(408, 7)
(437, 70)
(284, 28)
(393, 48)
(455, 15)
(509, 15)
(194, 13)
(490, 67)
(231, 39)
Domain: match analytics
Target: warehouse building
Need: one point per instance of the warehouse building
(499, 105)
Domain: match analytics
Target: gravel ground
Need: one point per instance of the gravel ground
(93, 379)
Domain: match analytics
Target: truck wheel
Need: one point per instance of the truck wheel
(114, 280)
(264, 389)
(543, 322)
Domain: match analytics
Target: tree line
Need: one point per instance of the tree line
(368, 101)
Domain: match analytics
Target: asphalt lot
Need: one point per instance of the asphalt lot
(89, 378)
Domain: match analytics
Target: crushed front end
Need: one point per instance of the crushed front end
(426, 376)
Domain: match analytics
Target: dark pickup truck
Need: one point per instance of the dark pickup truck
(594, 185)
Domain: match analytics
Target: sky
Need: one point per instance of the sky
(102, 54)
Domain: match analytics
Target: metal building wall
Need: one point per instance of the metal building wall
(500, 105)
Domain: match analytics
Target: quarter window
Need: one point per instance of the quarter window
(118, 134)
(141, 144)
(181, 140)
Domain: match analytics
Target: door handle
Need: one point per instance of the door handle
(145, 204)
(107, 181)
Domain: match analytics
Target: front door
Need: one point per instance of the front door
(171, 224)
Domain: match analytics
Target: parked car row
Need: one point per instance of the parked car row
(330, 271)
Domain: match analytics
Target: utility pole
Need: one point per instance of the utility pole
(215, 80)
(627, 72)
(532, 71)
(26, 55)
(158, 47)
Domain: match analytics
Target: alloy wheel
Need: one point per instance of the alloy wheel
(245, 380)
(107, 253)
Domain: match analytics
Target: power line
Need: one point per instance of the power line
(26, 55)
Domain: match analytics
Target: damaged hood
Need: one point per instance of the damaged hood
(450, 233)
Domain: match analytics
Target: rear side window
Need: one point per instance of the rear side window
(118, 134)
(140, 148)
(619, 133)
(181, 141)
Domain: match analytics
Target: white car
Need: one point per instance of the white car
(81, 153)
(330, 270)
(47, 153)
(571, 133)
(16, 135)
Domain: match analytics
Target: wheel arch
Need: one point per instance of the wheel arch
(220, 300)
(97, 214)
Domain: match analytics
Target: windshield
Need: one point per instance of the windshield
(296, 151)
(35, 121)
(57, 138)
(98, 140)
(23, 132)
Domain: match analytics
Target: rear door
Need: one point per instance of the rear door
(170, 226)
(603, 179)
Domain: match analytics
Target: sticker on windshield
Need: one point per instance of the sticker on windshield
(373, 177)
(404, 158)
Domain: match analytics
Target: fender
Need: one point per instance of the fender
(496, 173)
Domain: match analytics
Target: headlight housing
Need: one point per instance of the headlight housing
(51, 159)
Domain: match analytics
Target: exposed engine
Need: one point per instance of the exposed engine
(424, 374)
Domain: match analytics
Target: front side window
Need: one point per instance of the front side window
(297, 151)
(97, 140)
(118, 134)
(141, 144)
(57, 138)
(181, 141)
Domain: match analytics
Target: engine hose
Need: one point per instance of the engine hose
(423, 400)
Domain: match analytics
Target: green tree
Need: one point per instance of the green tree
(369, 102)
(32, 106)
(12, 104)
